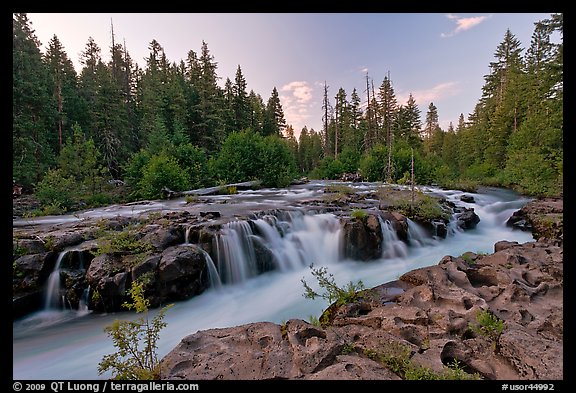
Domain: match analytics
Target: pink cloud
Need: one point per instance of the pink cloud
(463, 24)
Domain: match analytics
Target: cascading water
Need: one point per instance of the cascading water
(83, 303)
(301, 241)
(236, 258)
(213, 274)
(295, 240)
(417, 236)
(53, 299)
(392, 247)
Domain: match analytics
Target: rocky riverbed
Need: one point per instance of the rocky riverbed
(497, 317)
(486, 315)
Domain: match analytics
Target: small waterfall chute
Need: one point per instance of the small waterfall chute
(52, 298)
(392, 247)
(213, 275)
(417, 236)
(236, 257)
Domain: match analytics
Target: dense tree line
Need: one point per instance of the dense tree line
(513, 137)
(170, 124)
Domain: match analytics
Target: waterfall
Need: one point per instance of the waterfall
(75, 345)
(293, 240)
(187, 235)
(416, 234)
(392, 247)
(53, 298)
(84, 300)
(215, 281)
(235, 250)
(302, 239)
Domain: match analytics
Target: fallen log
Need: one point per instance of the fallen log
(170, 194)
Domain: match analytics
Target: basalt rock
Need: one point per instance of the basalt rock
(497, 316)
(543, 217)
(428, 319)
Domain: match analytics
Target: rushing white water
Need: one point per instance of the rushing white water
(60, 345)
(52, 298)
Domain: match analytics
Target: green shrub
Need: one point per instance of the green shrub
(56, 190)
(359, 214)
(136, 341)
(332, 292)
(489, 326)
(162, 171)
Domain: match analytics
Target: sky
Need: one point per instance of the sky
(439, 58)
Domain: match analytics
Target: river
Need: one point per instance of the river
(69, 344)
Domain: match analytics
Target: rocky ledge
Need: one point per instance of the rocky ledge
(493, 317)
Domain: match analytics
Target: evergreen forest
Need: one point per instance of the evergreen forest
(169, 124)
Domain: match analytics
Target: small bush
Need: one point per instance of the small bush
(333, 293)
(359, 214)
(136, 341)
(55, 191)
(488, 325)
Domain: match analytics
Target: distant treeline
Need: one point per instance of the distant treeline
(171, 125)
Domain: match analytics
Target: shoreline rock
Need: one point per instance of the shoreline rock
(430, 313)
(428, 319)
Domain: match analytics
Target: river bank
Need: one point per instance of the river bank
(274, 296)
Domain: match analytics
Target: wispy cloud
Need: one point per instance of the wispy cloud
(463, 24)
(425, 96)
(296, 98)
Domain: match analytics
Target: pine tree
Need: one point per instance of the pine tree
(408, 123)
(210, 127)
(327, 115)
(388, 108)
(274, 122)
(64, 87)
(503, 94)
(240, 104)
(257, 110)
(434, 135)
(33, 112)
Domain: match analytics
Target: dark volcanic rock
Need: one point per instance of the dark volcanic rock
(543, 217)
(428, 314)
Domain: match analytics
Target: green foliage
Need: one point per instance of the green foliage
(81, 159)
(162, 171)
(455, 371)
(193, 160)
(109, 111)
(239, 158)
(424, 208)
(332, 292)
(488, 325)
(136, 341)
(373, 164)
(328, 168)
(278, 163)
(349, 158)
(99, 199)
(398, 358)
(359, 214)
(249, 156)
(124, 242)
(535, 173)
(314, 321)
(56, 190)
(227, 190)
(134, 168)
(339, 189)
